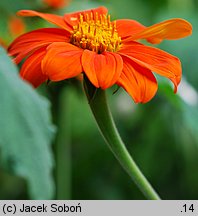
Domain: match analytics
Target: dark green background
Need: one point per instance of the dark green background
(161, 135)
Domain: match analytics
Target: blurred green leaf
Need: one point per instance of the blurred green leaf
(26, 132)
(185, 112)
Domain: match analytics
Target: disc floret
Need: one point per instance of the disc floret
(96, 33)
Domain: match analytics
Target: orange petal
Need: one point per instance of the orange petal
(29, 42)
(169, 29)
(31, 69)
(139, 82)
(126, 27)
(72, 19)
(52, 18)
(155, 60)
(62, 61)
(103, 70)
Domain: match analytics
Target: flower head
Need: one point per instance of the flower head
(16, 26)
(106, 51)
(56, 4)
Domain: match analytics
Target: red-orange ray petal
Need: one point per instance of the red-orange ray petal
(72, 19)
(29, 42)
(62, 61)
(103, 70)
(31, 69)
(126, 27)
(52, 18)
(169, 29)
(139, 82)
(155, 60)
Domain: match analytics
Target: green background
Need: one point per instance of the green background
(161, 135)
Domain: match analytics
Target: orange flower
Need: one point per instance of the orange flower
(107, 52)
(16, 26)
(56, 3)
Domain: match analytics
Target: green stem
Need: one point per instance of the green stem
(63, 148)
(98, 104)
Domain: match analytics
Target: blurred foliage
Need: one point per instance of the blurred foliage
(26, 132)
(162, 135)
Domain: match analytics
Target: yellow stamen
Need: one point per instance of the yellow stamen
(96, 33)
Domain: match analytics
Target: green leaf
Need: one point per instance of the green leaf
(26, 131)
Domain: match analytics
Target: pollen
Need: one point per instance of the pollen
(96, 33)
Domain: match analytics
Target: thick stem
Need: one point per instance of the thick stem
(98, 104)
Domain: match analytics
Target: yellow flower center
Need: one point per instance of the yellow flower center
(97, 34)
